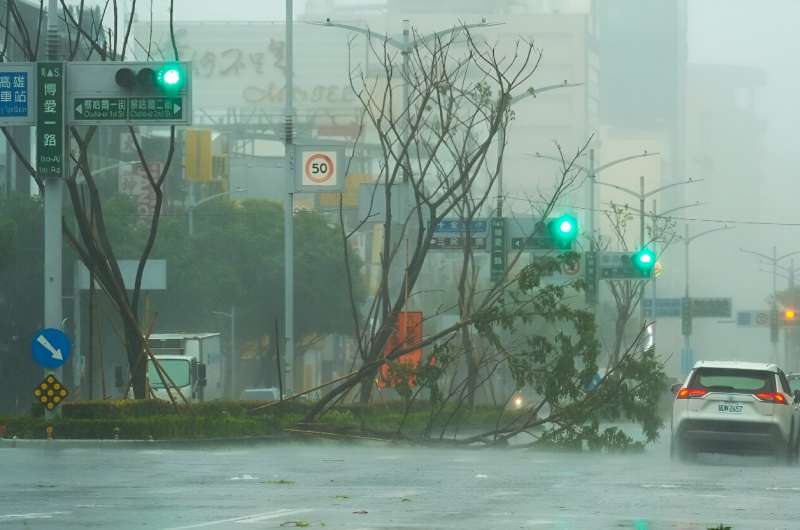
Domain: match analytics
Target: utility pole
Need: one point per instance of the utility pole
(53, 200)
(288, 207)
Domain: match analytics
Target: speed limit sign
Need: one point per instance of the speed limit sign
(320, 168)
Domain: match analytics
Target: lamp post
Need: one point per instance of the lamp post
(591, 172)
(406, 45)
(192, 205)
(687, 240)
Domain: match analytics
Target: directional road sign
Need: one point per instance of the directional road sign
(17, 94)
(129, 110)
(451, 234)
(50, 348)
(665, 307)
(711, 307)
(50, 392)
(497, 247)
(50, 120)
(319, 167)
(617, 266)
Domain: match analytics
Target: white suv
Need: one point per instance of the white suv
(735, 407)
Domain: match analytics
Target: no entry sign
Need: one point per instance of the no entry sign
(320, 168)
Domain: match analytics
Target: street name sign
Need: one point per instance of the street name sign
(665, 307)
(50, 348)
(711, 307)
(617, 266)
(17, 94)
(451, 234)
(497, 248)
(50, 120)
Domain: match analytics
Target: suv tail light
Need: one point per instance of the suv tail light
(689, 393)
(772, 397)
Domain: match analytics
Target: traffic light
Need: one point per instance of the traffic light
(563, 230)
(790, 316)
(644, 261)
(168, 78)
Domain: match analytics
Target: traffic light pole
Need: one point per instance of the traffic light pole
(53, 200)
(288, 208)
(774, 259)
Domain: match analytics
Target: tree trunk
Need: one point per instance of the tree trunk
(365, 392)
(472, 368)
(136, 361)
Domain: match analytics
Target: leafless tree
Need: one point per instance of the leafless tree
(99, 34)
(440, 153)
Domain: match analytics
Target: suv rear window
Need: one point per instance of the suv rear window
(733, 380)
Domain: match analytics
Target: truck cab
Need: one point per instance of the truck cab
(192, 361)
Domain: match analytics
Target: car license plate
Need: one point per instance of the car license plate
(731, 408)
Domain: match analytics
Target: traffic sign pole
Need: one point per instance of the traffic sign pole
(53, 183)
(288, 208)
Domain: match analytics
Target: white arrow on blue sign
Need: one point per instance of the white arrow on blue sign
(50, 348)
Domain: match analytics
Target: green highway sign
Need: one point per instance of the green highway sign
(101, 108)
(156, 108)
(50, 120)
(129, 109)
(711, 307)
(497, 249)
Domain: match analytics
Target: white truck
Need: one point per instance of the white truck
(192, 360)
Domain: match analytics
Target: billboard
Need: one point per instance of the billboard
(407, 333)
(241, 66)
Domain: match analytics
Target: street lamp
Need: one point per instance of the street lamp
(406, 46)
(501, 133)
(192, 205)
(592, 171)
(686, 357)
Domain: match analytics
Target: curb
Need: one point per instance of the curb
(9, 443)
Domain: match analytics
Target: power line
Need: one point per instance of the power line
(676, 217)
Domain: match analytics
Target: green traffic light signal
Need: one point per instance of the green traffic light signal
(171, 77)
(564, 230)
(644, 261)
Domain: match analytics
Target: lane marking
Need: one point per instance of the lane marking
(244, 519)
(33, 515)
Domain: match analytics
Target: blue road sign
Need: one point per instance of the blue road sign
(50, 348)
(13, 94)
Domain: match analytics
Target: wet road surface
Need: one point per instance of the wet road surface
(374, 486)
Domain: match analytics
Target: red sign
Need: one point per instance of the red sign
(407, 333)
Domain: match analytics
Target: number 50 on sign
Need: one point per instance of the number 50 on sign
(319, 168)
